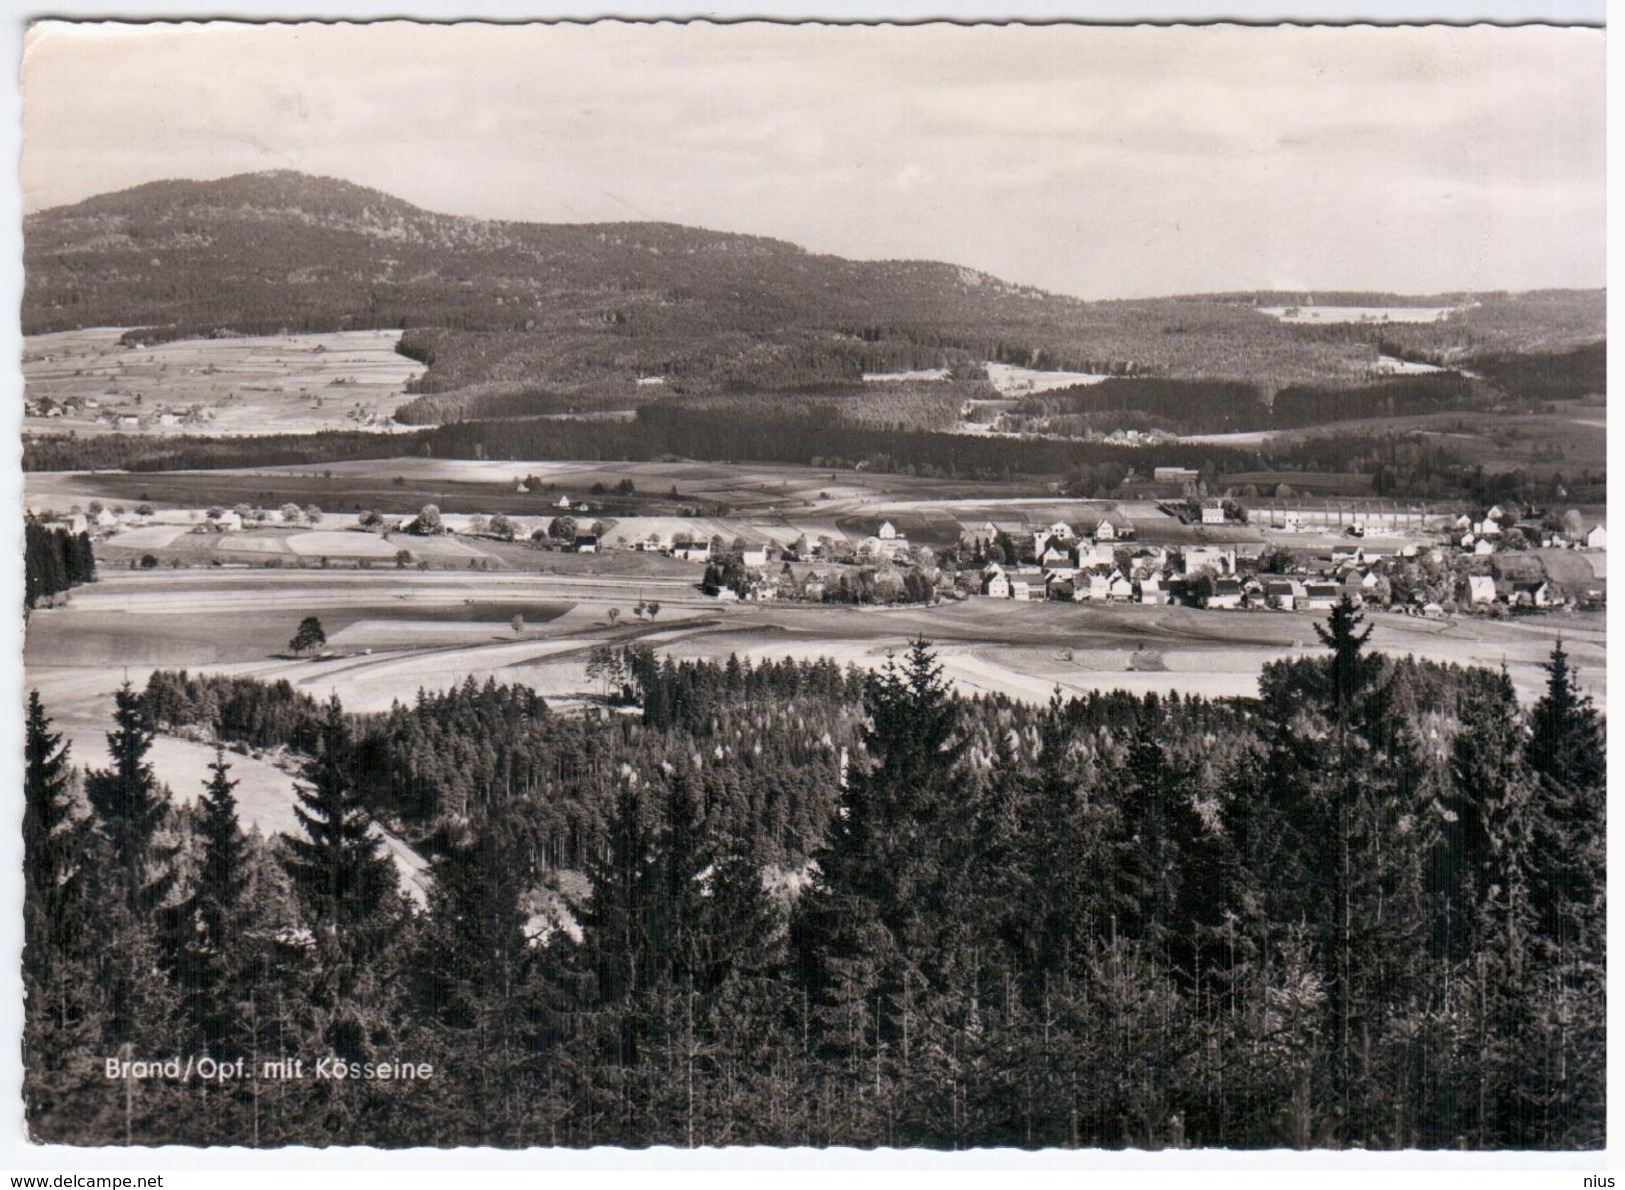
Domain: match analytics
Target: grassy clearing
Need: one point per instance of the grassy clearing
(287, 383)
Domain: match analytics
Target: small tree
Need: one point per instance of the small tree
(562, 528)
(654, 608)
(309, 636)
(427, 522)
(502, 528)
(403, 559)
(313, 515)
(292, 513)
(614, 614)
(518, 624)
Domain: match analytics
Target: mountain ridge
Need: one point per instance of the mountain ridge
(588, 308)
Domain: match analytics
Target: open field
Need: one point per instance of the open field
(391, 632)
(340, 380)
(1012, 381)
(1318, 314)
(403, 485)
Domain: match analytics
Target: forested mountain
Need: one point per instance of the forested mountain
(504, 307)
(1365, 909)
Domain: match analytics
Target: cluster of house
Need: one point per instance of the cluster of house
(121, 417)
(1100, 565)
(1103, 568)
(1485, 536)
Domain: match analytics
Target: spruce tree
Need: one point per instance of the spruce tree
(210, 960)
(1349, 670)
(52, 846)
(340, 870)
(131, 806)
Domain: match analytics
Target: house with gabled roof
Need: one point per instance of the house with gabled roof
(1226, 594)
(1321, 597)
(1283, 593)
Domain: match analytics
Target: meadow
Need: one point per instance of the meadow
(341, 380)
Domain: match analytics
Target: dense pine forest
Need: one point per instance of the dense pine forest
(789, 904)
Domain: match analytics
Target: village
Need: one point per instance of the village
(1220, 554)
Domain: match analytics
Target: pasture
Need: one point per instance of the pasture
(343, 380)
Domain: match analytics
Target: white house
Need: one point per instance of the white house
(1226, 593)
(1119, 589)
(1022, 590)
(1212, 514)
(888, 531)
(1061, 531)
(1597, 539)
(1151, 590)
(757, 557)
(1480, 589)
(1220, 559)
(1105, 531)
(1484, 547)
(564, 503)
(995, 583)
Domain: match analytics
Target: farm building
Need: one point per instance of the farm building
(1480, 589)
(756, 557)
(1597, 539)
(585, 543)
(1219, 559)
(1322, 597)
(1530, 594)
(1175, 474)
(1226, 594)
(1283, 593)
(1213, 514)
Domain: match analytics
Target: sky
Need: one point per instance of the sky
(1095, 161)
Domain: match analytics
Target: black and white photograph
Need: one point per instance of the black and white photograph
(813, 585)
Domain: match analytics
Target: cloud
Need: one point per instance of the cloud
(1099, 161)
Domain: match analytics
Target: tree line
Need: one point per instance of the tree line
(789, 904)
(54, 559)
